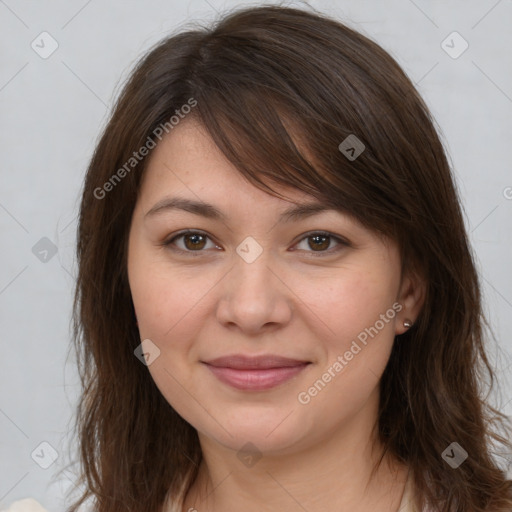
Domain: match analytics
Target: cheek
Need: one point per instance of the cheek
(160, 294)
(360, 315)
(358, 309)
(349, 302)
(169, 313)
(171, 305)
(166, 305)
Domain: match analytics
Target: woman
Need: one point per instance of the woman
(277, 307)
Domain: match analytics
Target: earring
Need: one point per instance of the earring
(407, 323)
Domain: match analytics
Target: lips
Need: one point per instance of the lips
(255, 373)
(241, 362)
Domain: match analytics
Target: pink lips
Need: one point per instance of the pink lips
(255, 373)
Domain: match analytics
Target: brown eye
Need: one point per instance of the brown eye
(194, 241)
(319, 242)
(191, 242)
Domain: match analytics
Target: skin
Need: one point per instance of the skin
(295, 300)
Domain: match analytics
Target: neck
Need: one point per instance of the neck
(334, 472)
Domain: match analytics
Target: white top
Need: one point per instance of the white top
(25, 505)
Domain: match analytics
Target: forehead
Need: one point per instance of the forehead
(187, 172)
(187, 163)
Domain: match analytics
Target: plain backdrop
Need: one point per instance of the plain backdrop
(52, 112)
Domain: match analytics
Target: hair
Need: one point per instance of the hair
(278, 89)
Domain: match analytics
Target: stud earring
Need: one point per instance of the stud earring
(407, 323)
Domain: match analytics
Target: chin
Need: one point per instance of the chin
(269, 430)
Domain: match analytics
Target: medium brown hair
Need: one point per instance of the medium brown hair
(278, 89)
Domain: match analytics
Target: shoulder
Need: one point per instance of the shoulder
(25, 505)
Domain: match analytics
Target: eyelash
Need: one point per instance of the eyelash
(315, 254)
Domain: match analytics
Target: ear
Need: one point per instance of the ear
(412, 297)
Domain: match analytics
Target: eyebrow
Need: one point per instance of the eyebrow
(212, 212)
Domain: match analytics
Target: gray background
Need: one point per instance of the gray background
(52, 111)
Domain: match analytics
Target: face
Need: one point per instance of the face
(318, 297)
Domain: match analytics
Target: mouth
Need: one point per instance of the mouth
(255, 373)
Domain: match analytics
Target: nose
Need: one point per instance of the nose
(254, 296)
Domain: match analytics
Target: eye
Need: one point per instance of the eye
(193, 241)
(321, 240)
(196, 241)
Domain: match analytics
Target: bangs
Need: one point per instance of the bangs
(280, 119)
(263, 138)
(272, 139)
